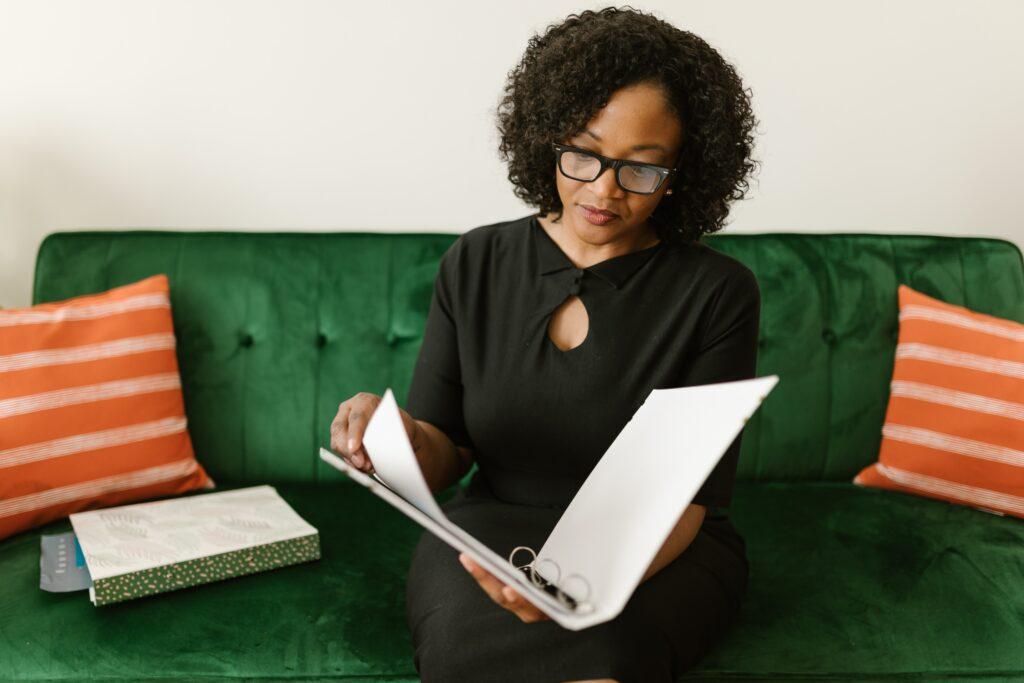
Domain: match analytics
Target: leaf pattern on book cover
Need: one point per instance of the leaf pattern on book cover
(184, 540)
(105, 560)
(146, 550)
(126, 531)
(211, 511)
(178, 522)
(244, 523)
(224, 538)
(111, 517)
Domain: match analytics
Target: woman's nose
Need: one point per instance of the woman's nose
(605, 184)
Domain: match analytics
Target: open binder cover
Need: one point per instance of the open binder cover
(618, 520)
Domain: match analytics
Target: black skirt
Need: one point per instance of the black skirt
(669, 623)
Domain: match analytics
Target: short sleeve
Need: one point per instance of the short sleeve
(435, 393)
(727, 353)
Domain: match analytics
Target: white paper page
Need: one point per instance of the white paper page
(387, 444)
(400, 482)
(463, 541)
(626, 508)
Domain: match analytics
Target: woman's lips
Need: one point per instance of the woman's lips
(597, 217)
(597, 210)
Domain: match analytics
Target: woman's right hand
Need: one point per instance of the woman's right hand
(350, 423)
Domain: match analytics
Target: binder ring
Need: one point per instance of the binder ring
(535, 573)
(538, 580)
(583, 604)
(512, 555)
(530, 567)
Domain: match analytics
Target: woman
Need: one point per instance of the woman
(546, 333)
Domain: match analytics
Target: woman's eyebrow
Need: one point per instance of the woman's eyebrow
(636, 148)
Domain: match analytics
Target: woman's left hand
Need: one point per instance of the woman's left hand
(501, 593)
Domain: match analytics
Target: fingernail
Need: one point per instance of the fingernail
(351, 444)
(464, 561)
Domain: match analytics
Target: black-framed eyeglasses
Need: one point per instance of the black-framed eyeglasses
(586, 166)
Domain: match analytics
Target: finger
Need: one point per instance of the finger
(357, 421)
(356, 426)
(363, 460)
(339, 440)
(491, 585)
(339, 427)
(413, 431)
(503, 594)
(522, 607)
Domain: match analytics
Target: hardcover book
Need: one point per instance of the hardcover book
(136, 550)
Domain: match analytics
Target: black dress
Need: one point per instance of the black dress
(539, 418)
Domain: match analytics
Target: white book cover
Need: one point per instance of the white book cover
(144, 548)
(618, 520)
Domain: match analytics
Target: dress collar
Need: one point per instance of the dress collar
(616, 270)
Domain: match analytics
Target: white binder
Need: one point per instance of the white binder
(603, 543)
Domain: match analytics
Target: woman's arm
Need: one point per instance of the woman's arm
(728, 353)
(435, 395)
(443, 464)
(678, 540)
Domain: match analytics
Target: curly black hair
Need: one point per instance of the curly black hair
(571, 71)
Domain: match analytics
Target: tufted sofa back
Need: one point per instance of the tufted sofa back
(275, 329)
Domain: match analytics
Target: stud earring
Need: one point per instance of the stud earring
(668, 191)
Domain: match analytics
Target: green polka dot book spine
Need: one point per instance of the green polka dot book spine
(133, 551)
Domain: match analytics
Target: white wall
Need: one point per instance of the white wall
(877, 116)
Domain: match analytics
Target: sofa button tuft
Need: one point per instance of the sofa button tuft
(321, 340)
(829, 336)
(245, 340)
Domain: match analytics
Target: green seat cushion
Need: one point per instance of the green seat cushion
(865, 584)
(846, 583)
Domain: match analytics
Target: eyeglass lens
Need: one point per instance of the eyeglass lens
(585, 167)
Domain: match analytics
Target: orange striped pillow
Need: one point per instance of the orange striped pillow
(91, 410)
(954, 427)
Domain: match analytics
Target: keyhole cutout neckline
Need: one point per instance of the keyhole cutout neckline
(614, 270)
(565, 321)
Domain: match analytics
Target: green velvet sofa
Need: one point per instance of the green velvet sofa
(275, 329)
